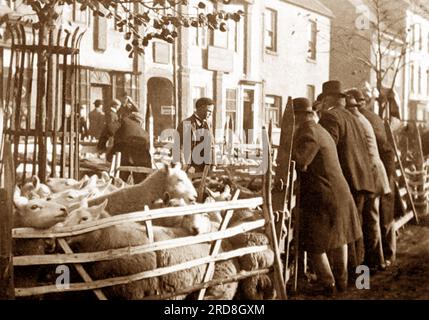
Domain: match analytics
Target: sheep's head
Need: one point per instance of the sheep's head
(198, 223)
(62, 184)
(82, 215)
(73, 197)
(37, 213)
(34, 189)
(85, 214)
(178, 184)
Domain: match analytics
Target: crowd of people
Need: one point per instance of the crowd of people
(346, 166)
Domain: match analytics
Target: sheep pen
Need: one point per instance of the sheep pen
(218, 272)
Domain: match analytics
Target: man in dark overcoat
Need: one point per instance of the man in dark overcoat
(353, 154)
(329, 218)
(133, 142)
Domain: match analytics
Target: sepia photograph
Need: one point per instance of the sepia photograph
(230, 151)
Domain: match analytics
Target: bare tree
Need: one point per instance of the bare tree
(381, 27)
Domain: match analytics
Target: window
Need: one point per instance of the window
(197, 92)
(231, 107)
(412, 83)
(417, 36)
(428, 42)
(273, 110)
(311, 93)
(79, 15)
(419, 84)
(271, 30)
(312, 40)
(220, 39)
(427, 82)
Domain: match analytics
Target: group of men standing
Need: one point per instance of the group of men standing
(346, 167)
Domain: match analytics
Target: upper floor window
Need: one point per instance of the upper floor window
(312, 40)
(412, 83)
(417, 37)
(427, 82)
(420, 75)
(79, 15)
(273, 110)
(271, 30)
(311, 93)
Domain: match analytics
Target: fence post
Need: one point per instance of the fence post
(7, 290)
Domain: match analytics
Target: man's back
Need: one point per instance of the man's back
(351, 147)
(96, 122)
(387, 153)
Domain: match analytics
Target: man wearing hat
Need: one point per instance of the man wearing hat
(374, 257)
(196, 137)
(329, 218)
(353, 152)
(387, 155)
(96, 120)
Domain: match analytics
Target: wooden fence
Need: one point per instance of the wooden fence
(143, 216)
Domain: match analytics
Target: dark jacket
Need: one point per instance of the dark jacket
(387, 154)
(191, 131)
(351, 147)
(97, 121)
(329, 218)
(133, 143)
(112, 124)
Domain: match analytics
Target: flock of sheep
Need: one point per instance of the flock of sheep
(67, 202)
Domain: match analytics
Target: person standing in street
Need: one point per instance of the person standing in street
(96, 120)
(196, 137)
(329, 217)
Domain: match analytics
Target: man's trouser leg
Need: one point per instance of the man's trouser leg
(338, 258)
(322, 268)
(372, 232)
(387, 222)
(356, 248)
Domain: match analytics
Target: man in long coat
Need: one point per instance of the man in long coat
(374, 257)
(387, 155)
(353, 152)
(329, 218)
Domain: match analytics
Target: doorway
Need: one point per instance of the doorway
(160, 99)
(102, 92)
(248, 110)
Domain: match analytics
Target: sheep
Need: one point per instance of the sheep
(253, 288)
(133, 234)
(165, 183)
(61, 184)
(34, 213)
(34, 189)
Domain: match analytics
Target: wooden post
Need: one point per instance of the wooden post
(7, 290)
(279, 282)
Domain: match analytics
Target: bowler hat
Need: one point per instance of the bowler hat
(356, 93)
(98, 102)
(302, 105)
(332, 88)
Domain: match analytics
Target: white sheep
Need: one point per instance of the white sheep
(165, 183)
(133, 234)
